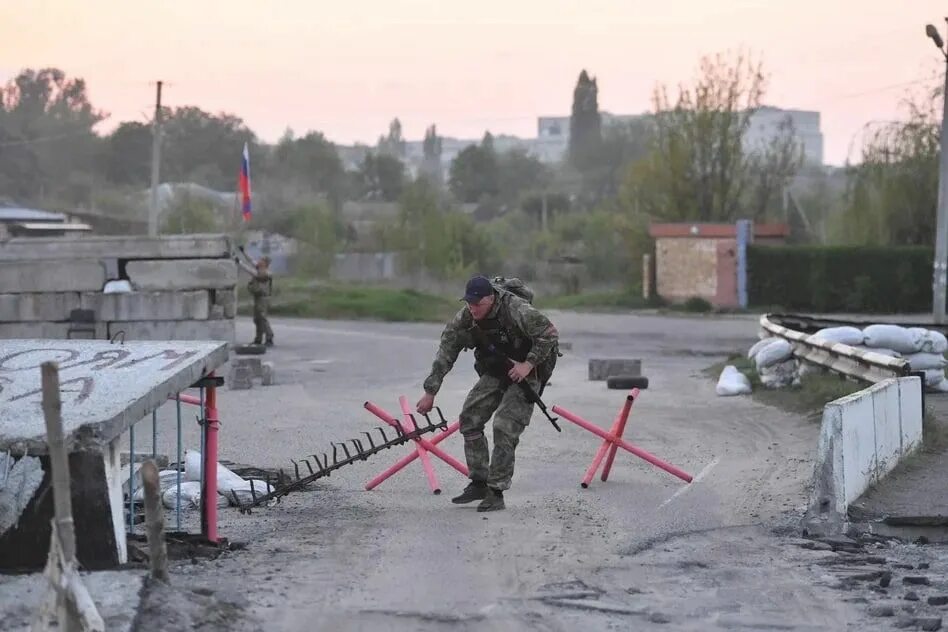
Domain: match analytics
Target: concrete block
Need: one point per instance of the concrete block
(240, 377)
(267, 377)
(910, 402)
(225, 302)
(47, 330)
(600, 369)
(51, 276)
(53, 306)
(118, 247)
(222, 330)
(138, 306)
(888, 429)
(182, 274)
(859, 444)
(97, 511)
(105, 387)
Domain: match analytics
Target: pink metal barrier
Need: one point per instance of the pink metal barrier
(422, 447)
(612, 441)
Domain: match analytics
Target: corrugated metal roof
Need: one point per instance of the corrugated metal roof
(14, 214)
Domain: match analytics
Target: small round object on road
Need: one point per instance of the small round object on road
(627, 381)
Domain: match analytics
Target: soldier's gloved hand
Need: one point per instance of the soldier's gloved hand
(425, 404)
(519, 371)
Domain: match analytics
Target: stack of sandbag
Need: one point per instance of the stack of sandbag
(924, 349)
(775, 363)
(732, 382)
(229, 484)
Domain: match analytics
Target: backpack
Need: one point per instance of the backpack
(514, 286)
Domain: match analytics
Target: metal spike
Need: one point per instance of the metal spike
(414, 422)
(309, 467)
(382, 432)
(334, 458)
(296, 466)
(318, 464)
(253, 493)
(345, 449)
(369, 437)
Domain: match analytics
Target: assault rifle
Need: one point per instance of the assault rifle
(506, 364)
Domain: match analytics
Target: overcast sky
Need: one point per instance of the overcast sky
(348, 67)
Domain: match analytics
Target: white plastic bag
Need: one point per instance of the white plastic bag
(851, 336)
(760, 344)
(894, 337)
(923, 361)
(226, 479)
(190, 496)
(732, 382)
(777, 351)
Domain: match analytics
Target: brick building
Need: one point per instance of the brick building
(702, 259)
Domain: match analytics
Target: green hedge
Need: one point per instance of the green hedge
(841, 278)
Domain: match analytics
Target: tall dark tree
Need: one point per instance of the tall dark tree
(474, 173)
(394, 143)
(48, 119)
(202, 147)
(585, 124)
(382, 177)
(431, 166)
(126, 156)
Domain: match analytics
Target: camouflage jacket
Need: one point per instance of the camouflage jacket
(515, 315)
(260, 285)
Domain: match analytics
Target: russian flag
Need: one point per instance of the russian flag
(244, 184)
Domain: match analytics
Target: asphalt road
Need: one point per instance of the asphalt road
(643, 550)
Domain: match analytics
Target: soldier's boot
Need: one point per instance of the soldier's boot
(269, 341)
(476, 490)
(494, 501)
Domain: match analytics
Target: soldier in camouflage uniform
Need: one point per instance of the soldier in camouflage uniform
(260, 287)
(512, 341)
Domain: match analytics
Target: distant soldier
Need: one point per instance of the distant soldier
(261, 287)
(512, 341)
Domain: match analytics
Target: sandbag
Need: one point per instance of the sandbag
(226, 479)
(894, 337)
(940, 387)
(934, 376)
(760, 344)
(780, 375)
(190, 496)
(732, 382)
(778, 350)
(166, 479)
(846, 335)
(930, 341)
(880, 350)
(923, 361)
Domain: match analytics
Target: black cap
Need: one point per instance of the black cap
(477, 288)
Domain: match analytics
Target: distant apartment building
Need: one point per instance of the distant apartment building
(552, 140)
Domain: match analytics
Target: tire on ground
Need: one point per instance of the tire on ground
(250, 349)
(626, 382)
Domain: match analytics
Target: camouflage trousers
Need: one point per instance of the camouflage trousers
(260, 321)
(511, 410)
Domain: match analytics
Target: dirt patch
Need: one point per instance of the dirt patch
(186, 606)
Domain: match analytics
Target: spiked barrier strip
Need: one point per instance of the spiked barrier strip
(343, 454)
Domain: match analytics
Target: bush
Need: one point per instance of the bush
(841, 278)
(697, 304)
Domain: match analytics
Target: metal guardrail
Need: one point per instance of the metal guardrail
(868, 366)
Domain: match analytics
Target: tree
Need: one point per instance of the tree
(127, 154)
(203, 147)
(474, 172)
(520, 173)
(393, 144)
(698, 167)
(188, 215)
(382, 177)
(585, 123)
(431, 165)
(893, 193)
(309, 165)
(50, 118)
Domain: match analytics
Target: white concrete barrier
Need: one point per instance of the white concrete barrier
(863, 437)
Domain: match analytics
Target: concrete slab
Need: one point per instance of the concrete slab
(86, 275)
(47, 330)
(138, 306)
(182, 274)
(121, 247)
(224, 303)
(37, 306)
(105, 387)
(175, 330)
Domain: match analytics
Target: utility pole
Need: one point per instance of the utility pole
(155, 161)
(941, 224)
